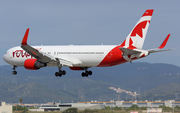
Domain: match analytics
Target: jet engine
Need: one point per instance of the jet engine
(33, 64)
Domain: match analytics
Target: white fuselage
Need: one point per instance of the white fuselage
(89, 56)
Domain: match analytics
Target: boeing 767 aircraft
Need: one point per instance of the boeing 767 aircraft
(83, 57)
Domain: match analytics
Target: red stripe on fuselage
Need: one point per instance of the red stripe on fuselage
(114, 57)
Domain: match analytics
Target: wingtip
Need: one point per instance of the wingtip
(164, 42)
(24, 41)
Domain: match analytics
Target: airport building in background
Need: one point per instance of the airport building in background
(127, 104)
(5, 108)
(151, 105)
(64, 106)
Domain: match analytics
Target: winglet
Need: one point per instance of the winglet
(24, 41)
(164, 42)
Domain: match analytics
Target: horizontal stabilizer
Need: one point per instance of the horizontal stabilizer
(127, 51)
(154, 51)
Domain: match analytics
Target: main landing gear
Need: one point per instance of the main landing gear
(61, 72)
(14, 72)
(86, 73)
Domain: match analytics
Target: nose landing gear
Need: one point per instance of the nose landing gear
(14, 72)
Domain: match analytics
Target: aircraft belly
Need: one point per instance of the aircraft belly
(90, 62)
(87, 60)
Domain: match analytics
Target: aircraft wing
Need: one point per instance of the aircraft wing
(40, 56)
(36, 54)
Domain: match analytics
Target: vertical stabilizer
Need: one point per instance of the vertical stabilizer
(136, 37)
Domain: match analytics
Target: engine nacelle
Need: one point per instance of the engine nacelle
(33, 64)
(76, 68)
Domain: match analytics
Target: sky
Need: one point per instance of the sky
(90, 22)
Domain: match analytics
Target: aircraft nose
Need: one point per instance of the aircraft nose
(5, 57)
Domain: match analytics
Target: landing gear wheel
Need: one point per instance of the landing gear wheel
(63, 72)
(58, 74)
(14, 72)
(89, 72)
(83, 74)
(86, 73)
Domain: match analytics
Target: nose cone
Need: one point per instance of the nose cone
(5, 57)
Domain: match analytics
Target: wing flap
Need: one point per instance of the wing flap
(65, 62)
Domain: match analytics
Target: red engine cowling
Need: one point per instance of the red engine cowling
(76, 68)
(33, 64)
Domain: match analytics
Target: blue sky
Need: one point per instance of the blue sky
(93, 22)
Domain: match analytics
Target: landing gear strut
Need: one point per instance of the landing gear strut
(86, 73)
(61, 72)
(14, 72)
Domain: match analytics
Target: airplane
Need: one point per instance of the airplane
(78, 57)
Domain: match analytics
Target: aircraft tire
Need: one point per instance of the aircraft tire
(89, 72)
(83, 74)
(56, 74)
(63, 72)
(14, 72)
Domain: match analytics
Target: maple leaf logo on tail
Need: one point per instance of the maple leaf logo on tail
(136, 37)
